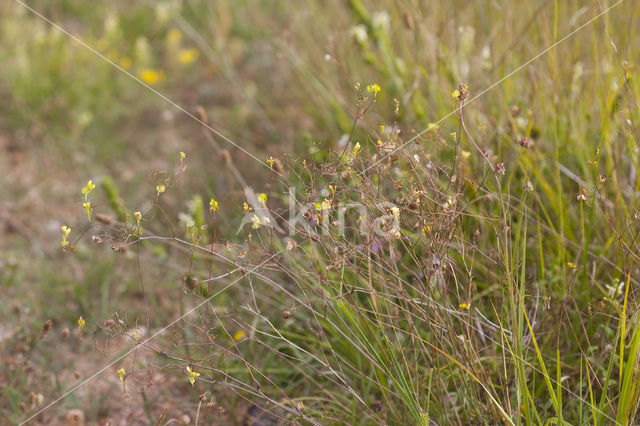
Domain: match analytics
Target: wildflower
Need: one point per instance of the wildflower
(395, 211)
(87, 208)
(582, 196)
(594, 161)
(270, 162)
(525, 143)
(572, 265)
(150, 76)
(464, 305)
(263, 198)
(239, 335)
(138, 217)
(359, 32)
(461, 93)
(81, 323)
(373, 88)
(454, 135)
(357, 86)
(528, 186)
(255, 220)
(65, 234)
(603, 178)
(187, 56)
(88, 188)
(121, 374)
(192, 375)
(381, 20)
(333, 190)
(161, 189)
(182, 155)
(500, 169)
(356, 149)
(213, 206)
(324, 205)
(246, 208)
(381, 128)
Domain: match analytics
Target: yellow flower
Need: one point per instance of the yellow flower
(357, 86)
(239, 335)
(373, 88)
(213, 206)
(395, 211)
(125, 63)
(138, 217)
(325, 205)
(454, 135)
(455, 94)
(88, 188)
(121, 375)
(255, 220)
(81, 323)
(572, 265)
(192, 375)
(263, 199)
(150, 76)
(246, 208)
(381, 128)
(356, 149)
(65, 234)
(465, 305)
(270, 162)
(87, 208)
(187, 56)
(182, 155)
(161, 189)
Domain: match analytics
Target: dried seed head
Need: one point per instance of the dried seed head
(202, 397)
(286, 314)
(46, 328)
(110, 323)
(96, 239)
(603, 178)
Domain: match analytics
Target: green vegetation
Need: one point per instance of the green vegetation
(412, 248)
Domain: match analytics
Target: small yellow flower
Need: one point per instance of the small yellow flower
(182, 155)
(263, 199)
(357, 86)
(150, 76)
(87, 208)
(161, 189)
(246, 208)
(356, 149)
(121, 375)
(138, 217)
(455, 94)
(239, 335)
(572, 265)
(332, 189)
(81, 323)
(395, 211)
(373, 88)
(381, 128)
(324, 205)
(454, 135)
(192, 375)
(88, 188)
(65, 234)
(270, 162)
(187, 56)
(213, 206)
(255, 220)
(465, 305)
